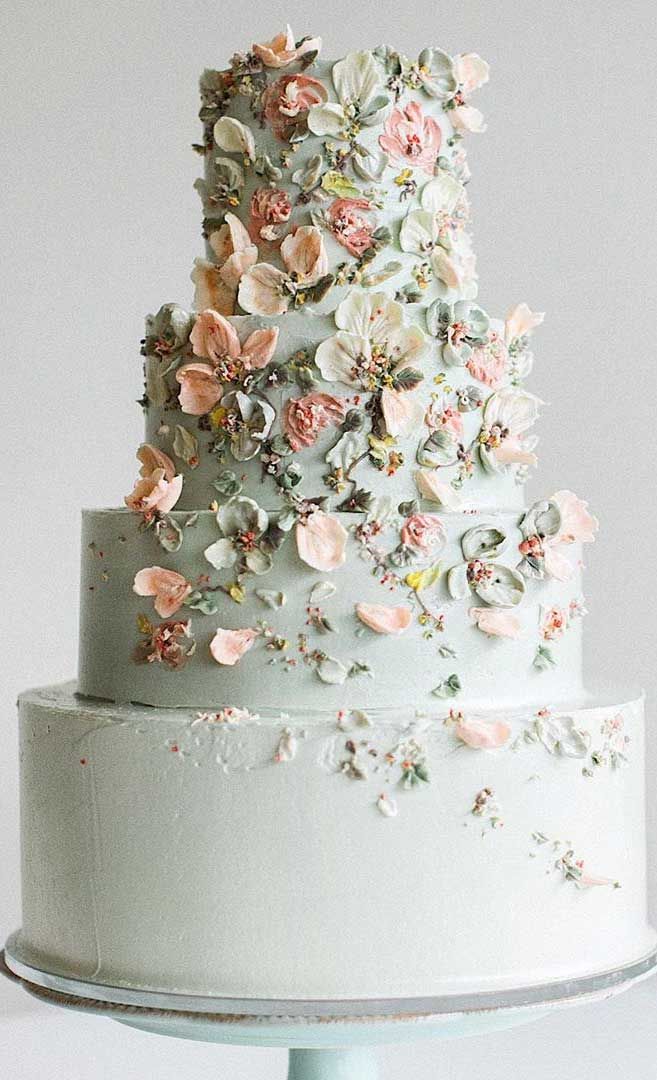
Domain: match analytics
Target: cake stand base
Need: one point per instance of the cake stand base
(328, 1040)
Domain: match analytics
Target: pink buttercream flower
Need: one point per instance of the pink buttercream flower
(286, 102)
(270, 208)
(282, 50)
(349, 227)
(228, 646)
(410, 138)
(520, 321)
(304, 418)
(423, 533)
(321, 541)
(555, 621)
(496, 622)
(383, 619)
(266, 290)
(169, 588)
(488, 363)
(577, 523)
(447, 419)
(482, 734)
(217, 282)
(158, 488)
(215, 338)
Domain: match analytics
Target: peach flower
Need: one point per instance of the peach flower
(169, 588)
(265, 290)
(521, 321)
(217, 283)
(282, 50)
(158, 488)
(321, 541)
(199, 389)
(482, 734)
(304, 418)
(467, 118)
(470, 72)
(423, 533)
(577, 523)
(286, 102)
(270, 208)
(228, 646)
(383, 619)
(412, 139)
(496, 622)
(349, 227)
(215, 338)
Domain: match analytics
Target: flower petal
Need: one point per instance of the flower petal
(402, 412)
(439, 491)
(577, 523)
(214, 337)
(261, 290)
(234, 137)
(520, 321)
(383, 619)
(321, 541)
(483, 734)
(337, 357)
(168, 587)
(496, 622)
(259, 348)
(228, 646)
(199, 389)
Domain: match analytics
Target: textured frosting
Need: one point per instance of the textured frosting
(296, 857)
(310, 646)
(356, 422)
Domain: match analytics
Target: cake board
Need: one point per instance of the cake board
(327, 1040)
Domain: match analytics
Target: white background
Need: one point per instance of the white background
(101, 225)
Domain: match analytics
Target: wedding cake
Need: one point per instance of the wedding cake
(330, 737)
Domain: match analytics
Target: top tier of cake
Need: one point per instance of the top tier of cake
(337, 352)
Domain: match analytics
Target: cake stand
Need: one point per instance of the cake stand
(328, 1040)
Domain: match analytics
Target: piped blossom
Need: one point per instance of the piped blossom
(547, 528)
(348, 225)
(508, 416)
(282, 49)
(411, 139)
(265, 290)
(201, 385)
(577, 522)
(217, 282)
(158, 488)
(375, 351)
(520, 322)
(437, 491)
(270, 208)
(423, 533)
(321, 541)
(383, 619)
(482, 734)
(496, 622)
(359, 87)
(304, 418)
(436, 233)
(470, 71)
(234, 137)
(286, 103)
(242, 524)
(169, 589)
(228, 646)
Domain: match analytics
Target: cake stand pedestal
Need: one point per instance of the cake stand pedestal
(328, 1040)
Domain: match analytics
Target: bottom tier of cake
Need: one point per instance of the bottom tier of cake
(330, 856)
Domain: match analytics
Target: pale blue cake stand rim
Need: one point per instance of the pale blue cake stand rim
(328, 1040)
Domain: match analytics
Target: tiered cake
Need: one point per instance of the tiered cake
(330, 737)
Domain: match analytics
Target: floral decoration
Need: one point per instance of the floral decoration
(169, 589)
(243, 525)
(228, 646)
(266, 290)
(497, 585)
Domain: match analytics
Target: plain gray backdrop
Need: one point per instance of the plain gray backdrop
(101, 225)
